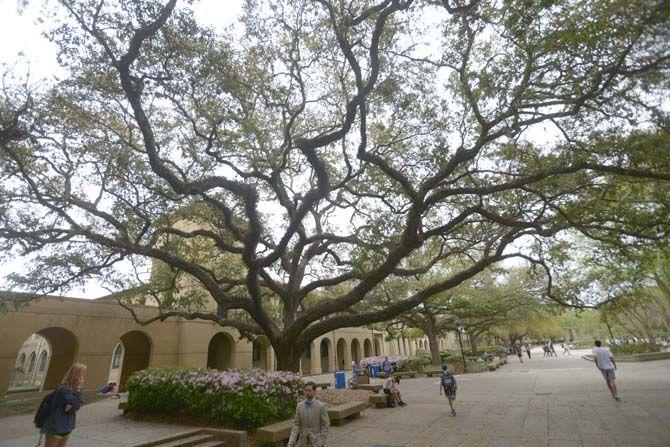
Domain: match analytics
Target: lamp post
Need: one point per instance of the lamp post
(459, 331)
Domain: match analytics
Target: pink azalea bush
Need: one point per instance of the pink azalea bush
(238, 398)
(398, 362)
(393, 359)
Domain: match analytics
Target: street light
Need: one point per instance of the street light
(459, 331)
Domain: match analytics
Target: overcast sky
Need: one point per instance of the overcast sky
(24, 48)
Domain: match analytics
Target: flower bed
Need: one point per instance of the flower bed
(238, 398)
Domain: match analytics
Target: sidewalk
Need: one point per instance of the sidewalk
(554, 402)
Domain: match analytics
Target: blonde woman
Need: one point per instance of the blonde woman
(64, 406)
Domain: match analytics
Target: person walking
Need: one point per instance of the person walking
(528, 350)
(386, 366)
(605, 363)
(565, 349)
(517, 349)
(448, 384)
(65, 403)
(310, 424)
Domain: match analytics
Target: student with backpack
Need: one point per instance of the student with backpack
(56, 416)
(448, 383)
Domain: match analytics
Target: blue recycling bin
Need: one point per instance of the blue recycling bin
(340, 380)
(375, 370)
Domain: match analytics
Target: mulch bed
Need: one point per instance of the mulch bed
(332, 397)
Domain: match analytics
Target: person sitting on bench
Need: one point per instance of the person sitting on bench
(390, 389)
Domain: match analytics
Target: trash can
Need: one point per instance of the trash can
(362, 377)
(375, 370)
(340, 380)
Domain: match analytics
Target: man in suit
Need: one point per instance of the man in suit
(310, 425)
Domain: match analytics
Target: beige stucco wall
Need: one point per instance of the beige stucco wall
(88, 331)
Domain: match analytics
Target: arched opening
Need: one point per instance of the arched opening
(378, 350)
(341, 354)
(136, 355)
(367, 348)
(259, 355)
(306, 360)
(355, 350)
(61, 347)
(326, 352)
(220, 351)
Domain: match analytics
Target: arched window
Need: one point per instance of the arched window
(116, 360)
(22, 362)
(31, 362)
(43, 362)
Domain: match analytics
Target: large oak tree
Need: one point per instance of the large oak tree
(292, 164)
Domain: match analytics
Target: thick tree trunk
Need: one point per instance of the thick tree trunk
(288, 357)
(434, 347)
(473, 343)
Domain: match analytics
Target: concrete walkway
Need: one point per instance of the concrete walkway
(543, 402)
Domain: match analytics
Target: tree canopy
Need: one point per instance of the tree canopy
(291, 165)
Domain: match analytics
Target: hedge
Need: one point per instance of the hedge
(635, 349)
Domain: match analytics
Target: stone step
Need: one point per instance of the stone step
(198, 439)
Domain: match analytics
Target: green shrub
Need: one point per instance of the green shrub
(413, 364)
(487, 349)
(240, 399)
(635, 349)
(456, 366)
(444, 355)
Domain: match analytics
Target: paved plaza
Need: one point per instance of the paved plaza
(543, 402)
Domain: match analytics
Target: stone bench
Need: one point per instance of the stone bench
(349, 410)
(493, 366)
(379, 401)
(431, 372)
(274, 435)
(366, 387)
(323, 385)
(405, 374)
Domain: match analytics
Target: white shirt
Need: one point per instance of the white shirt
(602, 358)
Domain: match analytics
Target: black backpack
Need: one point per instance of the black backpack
(44, 410)
(448, 381)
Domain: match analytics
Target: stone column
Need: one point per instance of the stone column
(315, 359)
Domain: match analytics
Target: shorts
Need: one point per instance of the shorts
(450, 393)
(59, 436)
(608, 374)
